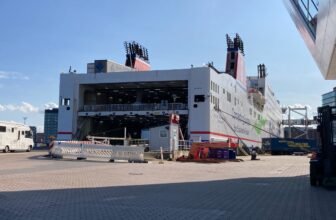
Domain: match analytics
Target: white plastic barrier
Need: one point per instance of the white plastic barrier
(87, 149)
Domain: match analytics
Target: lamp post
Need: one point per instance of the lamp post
(174, 100)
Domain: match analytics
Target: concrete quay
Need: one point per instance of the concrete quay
(275, 187)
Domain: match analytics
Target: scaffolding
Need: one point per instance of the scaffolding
(302, 111)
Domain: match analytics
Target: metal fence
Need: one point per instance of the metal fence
(134, 107)
(184, 145)
(88, 149)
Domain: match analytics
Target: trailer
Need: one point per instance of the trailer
(323, 161)
(288, 146)
(15, 137)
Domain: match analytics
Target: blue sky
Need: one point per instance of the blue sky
(39, 39)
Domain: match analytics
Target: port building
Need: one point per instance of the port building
(316, 22)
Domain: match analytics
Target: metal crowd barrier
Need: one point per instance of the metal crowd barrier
(87, 149)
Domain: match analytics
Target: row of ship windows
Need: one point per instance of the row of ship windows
(215, 87)
(254, 114)
(214, 100)
(228, 97)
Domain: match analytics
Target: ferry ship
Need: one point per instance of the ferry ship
(213, 105)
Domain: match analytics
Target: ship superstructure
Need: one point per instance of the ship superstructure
(212, 105)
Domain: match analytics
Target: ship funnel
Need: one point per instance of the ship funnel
(136, 56)
(262, 71)
(235, 64)
(235, 44)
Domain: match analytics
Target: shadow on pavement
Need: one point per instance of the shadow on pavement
(45, 156)
(44, 148)
(247, 198)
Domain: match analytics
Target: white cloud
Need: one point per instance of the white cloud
(40, 129)
(13, 75)
(301, 106)
(23, 107)
(11, 107)
(27, 107)
(50, 105)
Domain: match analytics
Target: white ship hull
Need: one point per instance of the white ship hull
(239, 119)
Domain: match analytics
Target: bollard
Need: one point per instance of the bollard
(254, 155)
(161, 162)
(81, 157)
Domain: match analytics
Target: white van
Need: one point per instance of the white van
(15, 137)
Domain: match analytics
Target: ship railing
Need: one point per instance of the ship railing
(138, 142)
(125, 141)
(134, 107)
(184, 144)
